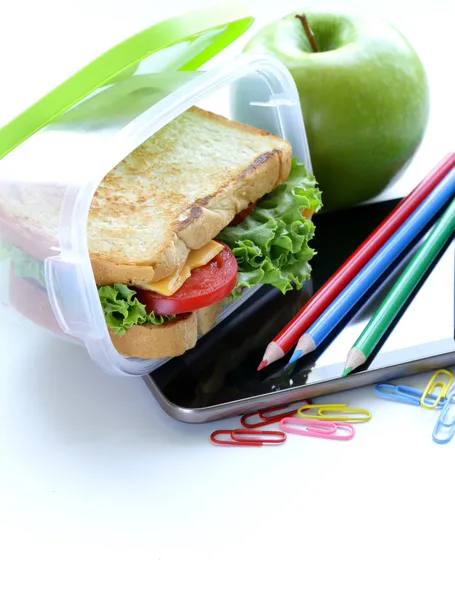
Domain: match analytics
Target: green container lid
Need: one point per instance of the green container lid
(192, 40)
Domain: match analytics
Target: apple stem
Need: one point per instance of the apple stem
(309, 32)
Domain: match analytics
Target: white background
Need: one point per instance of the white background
(104, 496)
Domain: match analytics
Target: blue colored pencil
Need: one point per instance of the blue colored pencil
(371, 272)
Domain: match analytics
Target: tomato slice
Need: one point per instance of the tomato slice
(207, 284)
(241, 216)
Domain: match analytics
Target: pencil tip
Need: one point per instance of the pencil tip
(262, 364)
(295, 356)
(354, 360)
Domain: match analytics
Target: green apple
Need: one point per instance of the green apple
(364, 97)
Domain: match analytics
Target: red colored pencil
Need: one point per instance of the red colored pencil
(290, 334)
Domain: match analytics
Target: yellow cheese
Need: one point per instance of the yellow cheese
(196, 258)
(199, 258)
(171, 284)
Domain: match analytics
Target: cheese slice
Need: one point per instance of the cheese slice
(196, 258)
(171, 284)
(199, 258)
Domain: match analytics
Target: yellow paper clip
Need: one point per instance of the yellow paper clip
(433, 385)
(347, 418)
(303, 410)
(339, 409)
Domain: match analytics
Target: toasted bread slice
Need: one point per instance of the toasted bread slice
(158, 341)
(170, 339)
(176, 192)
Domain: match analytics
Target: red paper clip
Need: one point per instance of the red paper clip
(264, 419)
(244, 437)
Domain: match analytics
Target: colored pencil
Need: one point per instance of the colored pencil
(290, 334)
(380, 322)
(376, 267)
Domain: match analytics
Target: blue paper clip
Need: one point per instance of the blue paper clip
(403, 394)
(445, 429)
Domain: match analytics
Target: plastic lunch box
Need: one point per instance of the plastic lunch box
(57, 152)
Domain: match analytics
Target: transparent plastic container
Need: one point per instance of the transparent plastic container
(48, 181)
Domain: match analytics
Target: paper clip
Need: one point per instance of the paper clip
(403, 394)
(433, 385)
(447, 429)
(244, 437)
(313, 428)
(340, 409)
(265, 419)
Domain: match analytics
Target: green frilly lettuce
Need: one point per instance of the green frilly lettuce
(122, 310)
(24, 265)
(271, 244)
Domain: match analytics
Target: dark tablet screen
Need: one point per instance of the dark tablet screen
(222, 368)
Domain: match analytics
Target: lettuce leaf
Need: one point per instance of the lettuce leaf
(24, 265)
(122, 310)
(271, 244)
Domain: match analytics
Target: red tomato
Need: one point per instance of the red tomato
(207, 284)
(241, 216)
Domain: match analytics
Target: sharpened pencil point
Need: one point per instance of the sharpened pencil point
(304, 346)
(272, 353)
(295, 357)
(355, 359)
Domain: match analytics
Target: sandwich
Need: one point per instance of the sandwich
(204, 209)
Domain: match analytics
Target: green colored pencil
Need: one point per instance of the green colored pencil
(403, 288)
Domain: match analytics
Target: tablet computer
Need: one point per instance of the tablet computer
(219, 377)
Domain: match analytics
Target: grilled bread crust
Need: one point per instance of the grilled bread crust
(176, 192)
